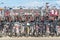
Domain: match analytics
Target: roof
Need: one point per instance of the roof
(1, 8)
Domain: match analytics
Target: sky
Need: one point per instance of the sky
(29, 3)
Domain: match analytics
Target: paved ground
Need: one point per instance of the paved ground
(30, 38)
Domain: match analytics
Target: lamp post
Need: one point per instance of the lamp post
(41, 12)
(47, 8)
(1, 9)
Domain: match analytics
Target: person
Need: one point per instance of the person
(16, 19)
(55, 24)
(10, 25)
(1, 26)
